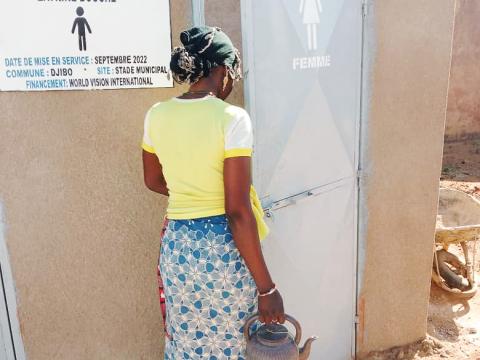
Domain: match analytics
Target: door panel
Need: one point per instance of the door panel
(303, 82)
(311, 257)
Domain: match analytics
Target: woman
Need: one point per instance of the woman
(197, 150)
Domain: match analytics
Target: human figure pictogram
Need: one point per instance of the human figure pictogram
(310, 10)
(81, 22)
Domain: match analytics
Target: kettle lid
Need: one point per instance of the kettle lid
(272, 334)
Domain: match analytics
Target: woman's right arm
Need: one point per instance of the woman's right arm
(238, 208)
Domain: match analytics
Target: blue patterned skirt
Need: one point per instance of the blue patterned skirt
(209, 291)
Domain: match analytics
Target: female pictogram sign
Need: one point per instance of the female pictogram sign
(310, 10)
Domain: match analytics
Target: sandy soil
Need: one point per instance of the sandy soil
(453, 325)
(453, 331)
(461, 166)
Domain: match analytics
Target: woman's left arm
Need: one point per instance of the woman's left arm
(152, 173)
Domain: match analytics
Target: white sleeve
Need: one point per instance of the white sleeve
(147, 143)
(239, 135)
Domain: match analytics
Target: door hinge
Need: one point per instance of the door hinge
(359, 173)
(365, 8)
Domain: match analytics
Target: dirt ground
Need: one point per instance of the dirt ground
(453, 330)
(461, 166)
(453, 325)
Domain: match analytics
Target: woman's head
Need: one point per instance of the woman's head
(207, 52)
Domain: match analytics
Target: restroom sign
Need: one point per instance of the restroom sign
(84, 44)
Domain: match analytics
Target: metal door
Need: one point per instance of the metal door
(6, 344)
(303, 81)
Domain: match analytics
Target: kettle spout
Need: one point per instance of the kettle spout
(304, 352)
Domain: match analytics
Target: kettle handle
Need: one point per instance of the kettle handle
(251, 319)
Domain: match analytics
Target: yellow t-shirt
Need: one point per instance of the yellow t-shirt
(191, 138)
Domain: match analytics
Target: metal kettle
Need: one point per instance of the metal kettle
(274, 342)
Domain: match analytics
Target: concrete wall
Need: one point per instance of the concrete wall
(82, 229)
(463, 112)
(408, 47)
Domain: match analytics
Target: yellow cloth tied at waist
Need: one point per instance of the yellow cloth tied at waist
(262, 226)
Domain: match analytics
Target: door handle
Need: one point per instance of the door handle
(293, 199)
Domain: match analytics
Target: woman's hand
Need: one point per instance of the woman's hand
(270, 308)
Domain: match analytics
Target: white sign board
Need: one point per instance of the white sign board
(84, 44)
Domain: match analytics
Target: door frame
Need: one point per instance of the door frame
(10, 325)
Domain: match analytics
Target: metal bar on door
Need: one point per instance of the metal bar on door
(293, 199)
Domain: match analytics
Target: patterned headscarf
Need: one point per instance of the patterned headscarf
(204, 47)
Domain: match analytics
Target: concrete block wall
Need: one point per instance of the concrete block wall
(407, 61)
